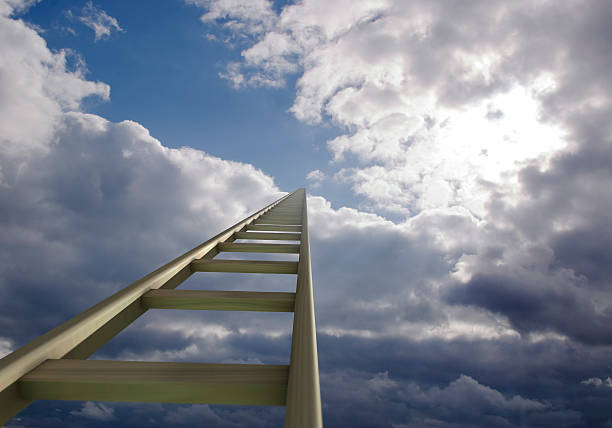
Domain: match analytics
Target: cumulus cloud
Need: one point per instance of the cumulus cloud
(80, 189)
(37, 89)
(411, 84)
(444, 110)
(409, 88)
(483, 131)
(100, 204)
(122, 194)
(99, 21)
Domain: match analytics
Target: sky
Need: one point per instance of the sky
(457, 157)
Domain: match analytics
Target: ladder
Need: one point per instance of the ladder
(55, 366)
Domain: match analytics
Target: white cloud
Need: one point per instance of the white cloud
(415, 86)
(243, 18)
(37, 89)
(77, 189)
(96, 411)
(8, 7)
(99, 21)
(464, 120)
(408, 404)
(597, 382)
(6, 346)
(315, 177)
(465, 394)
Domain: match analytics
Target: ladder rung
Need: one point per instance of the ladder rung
(272, 236)
(264, 301)
(98, 380)
(282, 214)
(278, 221)
(250, 247)
(274, 227)
(244, 266)
(296, 211)
(273, 218)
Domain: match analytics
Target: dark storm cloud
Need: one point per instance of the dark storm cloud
(502, 382)
(562, 218)
(586, 252)
(390, 383)
(534, 306)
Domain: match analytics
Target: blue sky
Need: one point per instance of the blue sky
(171, 86)
(457, 157)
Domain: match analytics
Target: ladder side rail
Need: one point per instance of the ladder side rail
(303, 408)
(59, 341)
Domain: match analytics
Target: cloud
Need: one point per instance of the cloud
(100, 204)
(597, 382)
(315, 177)
(103, 206)
(552, 235)
(37, 87)
(483, 131)
(242, 18)
(398, 78)
(78, 189)
(223, 417)
(6, 346)
(463, 401)
(411, 82)
(97, 411)
(99, 21)
(416, 85)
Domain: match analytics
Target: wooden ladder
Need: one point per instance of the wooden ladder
(54, 366)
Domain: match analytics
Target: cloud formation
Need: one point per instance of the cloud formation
(97, 411)
(80, 189)
(483, 127)
(99, 21)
